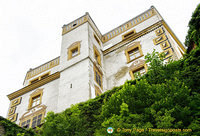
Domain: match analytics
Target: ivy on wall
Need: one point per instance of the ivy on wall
(12, 129)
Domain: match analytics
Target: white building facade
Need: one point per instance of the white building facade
(91, 63)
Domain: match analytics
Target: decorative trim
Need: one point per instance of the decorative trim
(11, 111)
(97, 39)
(132, 38)
(30, 114)
(173, 35)
(137, 65)
(129, 34)
(15, 102)
(33, 86)
(97, 91)
(96, 52)
(113, 33)
(168, 53)
(159, 39)
(39, 78)
(38, 92)
(164, 45)
(159, 31)
(100, 74)
(128, 25)
(73, 46)
(74, 24)
(131, 47)
(13, 117)
(44, 67)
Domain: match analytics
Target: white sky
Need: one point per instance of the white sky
(30, 30)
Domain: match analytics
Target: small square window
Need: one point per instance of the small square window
(133, 52)
(74, 50)
(35, 98)
(139, 71)
(35, 101)
(129, 34)
(44, 76)
(34, 80)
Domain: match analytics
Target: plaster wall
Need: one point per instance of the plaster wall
(49, 98)
(117, 68)
(74, 85)
(92, 62)
(78, 34)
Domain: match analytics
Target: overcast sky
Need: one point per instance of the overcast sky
(30, 30)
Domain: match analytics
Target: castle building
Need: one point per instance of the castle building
(91, 63)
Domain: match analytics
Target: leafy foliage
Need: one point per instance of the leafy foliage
(168, 96)
(11, 129)
(193, 36)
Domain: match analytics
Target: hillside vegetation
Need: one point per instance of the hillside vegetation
(164, 102)
(166, 99)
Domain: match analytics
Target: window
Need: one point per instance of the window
(39, 78)
(97, 76)
(33, 118)
(95, 37)
(34, 80)
(32, 122)
(74, 50)
(36, 121)
(133, 53)
(129, 34)
(35, 98)
(97, 91)
(97, 56)
(138, 71)
(44, 76)
(26, 124)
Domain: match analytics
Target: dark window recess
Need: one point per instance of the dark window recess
(34, 81)
(74, 52)
(26, 124)
(44, 76)
(129, 34)
(36, 121)
(70, 85)
(95, 37)
(98, 79)
(74, 25)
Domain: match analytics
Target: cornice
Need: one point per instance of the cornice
(113, 33)
(33, 86)
(132, 38)
(42, 68)
(174, 36)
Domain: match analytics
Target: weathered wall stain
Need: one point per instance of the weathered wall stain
(121, 73)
